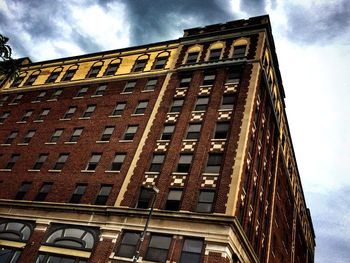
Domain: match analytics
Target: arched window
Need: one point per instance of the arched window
(95, 69)
(113, 67)
(193, 54)
(54, 75)
(32, 78)
(161, 60)
(70, 72)
(140, 63)
(19, 79)
(240, 48)
(215, 51)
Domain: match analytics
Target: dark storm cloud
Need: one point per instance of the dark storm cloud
(318, 23)
(253, 7)
(154, 21)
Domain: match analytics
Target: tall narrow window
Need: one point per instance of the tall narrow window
(103, 194)
(53, 76)
(43, 114)
(61, 161)
(158, 248)
(118, 161)
(27, 138)
(12, 161)
(43, 192)
(69, 113)
(40, 161)
(221, 130)
(233, 76)
(228, 102)
(177, 105)
(78, 193)
(17, 99)
(128, 245)
(173, 200)
(94, 71)
(69, 74)
(129, 86)
(56, 94)
(82, 92)
(56, 135)
(27, 115)
(93, 162)
(193, 131)
(145, 198)
(213, 163)
(205, 201)
(184, 163)
(18, 81)
(141, 107)
(201, 104)
(239, 52)
(157, 162)
(76, 134)
(4, 116)
(215, 54)
(185, 81)
(167, 132)
(89, 110)
(100, 90)
(32, 78)
(11, 137)
(107, 133)
(140, 65)
(192, 57)
(4, 98)
(23, 189)
(151, 84)
(119, 108)
(209, 79)
(191, 251)
(112, 69)
(130, 132)
(160, 62)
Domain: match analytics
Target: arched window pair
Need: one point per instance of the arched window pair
(159, 62)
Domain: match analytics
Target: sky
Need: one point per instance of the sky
(313, 47)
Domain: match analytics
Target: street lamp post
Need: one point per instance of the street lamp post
(143, 234)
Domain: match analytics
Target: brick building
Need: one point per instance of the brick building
(194, 127)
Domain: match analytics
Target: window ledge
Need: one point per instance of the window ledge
(128, 92)
(35, 101)
(52, 100)
(22, 143)
(225, 110)
(63, 119)
(147, 90)
(210, 174)
(50, 143)
(77, 98)
(125, 140)
(33, 170)
(84, 118)
(163, 140)
(137, 114)
(125, 259)
(21, 122)
(38, 121)
(114, 116)
(102, 142)
(149, 172)
(218, 140)
(190, 140)
(5, 144)
(10, 104)
(5, 170)
(203, 86)
(54, 171)
(96, 96)
(87, 171)
(179, 173)
(111, 171)
(70, 143)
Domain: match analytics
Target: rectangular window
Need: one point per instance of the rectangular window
(40, 161)
(4, 99)
(191, 251)
(201, 104)
(17, 99)
(89, 110)
(100, 90)
(117, 162)
(151, 84)
(205, 201)
(107, 133)
(82, 92)
(103, 194)
(221, 130)
(174, 200)
(93, 162)
(209, 79)
(76, 134)
(129, 86)
(11, 137)
(40, 96)
(119, 108)
(177, 105)
(69, 75)
(27, 115)
(112, 69)
(43, 114)
(53, 76)
(56, 135)
(167, 132)
(130, 132)
(17, 81)
(156, 163)
(69, 113)
(32, 78)
(78, 193)
(145, 198)
(215, 54)
(193, 131)
(27, 138)
(94, 71)
(192, 57)
(12, 161)
(160, 62)
(128, 245)
(185, 81)
(158, 248)
(228, 102)
(56, 94)
(4, 116)
(184, 163)
(23, 189)
(233, 76)
(140, 65)
(239, 52)
(61, 161)
(213, 163)
(43, 192)
(141, 107)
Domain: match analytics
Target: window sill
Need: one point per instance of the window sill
(219, 140)
(5, 170)
(198, 111)
(70, 143)
(5, 144)
(147, 90)
(126, 259)
(190, 140)
(55, 171)
(96, 96)
(50, 143)
(149, 172)
(68, 119)
(128, 92)
(52, 100)
(84, 118)
(137, 114)
(114, 116)
(125, 140)
(101, 142)
(77, 98)
(35, 101)
(11, 104)
(205, 86)
(210, 174)
(179, 173)
(22, 144)
(112, 172)
(38, 121)
(33, 170)
(163, 140)
(225, 110)
(87, 171)
(21, 122)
